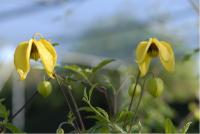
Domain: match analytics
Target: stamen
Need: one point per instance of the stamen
(34, 53)
(153, 50)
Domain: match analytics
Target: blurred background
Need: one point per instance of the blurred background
(87, 32)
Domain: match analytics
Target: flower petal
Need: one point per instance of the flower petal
(141, 50)
(47, 56)
(163, 51)
(51, 49)
(144, 66)
(22, 58)
(170, 64)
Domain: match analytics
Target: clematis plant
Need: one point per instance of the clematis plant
(118, 119)
(35, 49)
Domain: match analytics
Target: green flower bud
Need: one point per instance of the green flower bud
(60, 131)
(137, 90)
(155, 86)
(44, 88)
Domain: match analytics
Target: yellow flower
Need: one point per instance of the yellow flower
(146, 50)
(34, 49)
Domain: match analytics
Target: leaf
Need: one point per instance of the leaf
(87, 109)
(185, 127)
(102, 64)
(187, 57)
(55, 44)
(12, 128)
(85, 97)
(169, 126)
(4, 113)
(196, 50)
(103, 112)
(96, 117)
(91, 91)
(124, 115)
(2, 99)
(60, 131)
(78, 70)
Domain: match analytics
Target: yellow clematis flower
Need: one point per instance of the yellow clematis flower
(35, 49)
(146, 50)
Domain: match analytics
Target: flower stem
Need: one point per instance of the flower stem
(66, 99)
(24, 106)
(76, 109)
(134, 90)
(137, 107)
(131, 102)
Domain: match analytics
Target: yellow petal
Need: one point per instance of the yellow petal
(163, 51)
(170, 64)
(144, 66)
(47, 56)
(141, 50)
(22, 58)
(51, 49)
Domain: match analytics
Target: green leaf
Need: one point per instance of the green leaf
(91, 91)
(4, 113)
(169, 126)
(103, 112)
(187, 57)
(87, 109)
(55, 44)
(12, 128)
(101, 65)
(124, 115)
(60, 131)
(85, 97)
(78, 70)
(2, 99)
(96, 117)
(185, 127)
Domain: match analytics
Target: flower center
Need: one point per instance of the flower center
(153, 50)
(34, 53)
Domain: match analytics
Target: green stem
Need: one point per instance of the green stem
(65, 96)
(134, 90)
(137, 107)
(131, 102)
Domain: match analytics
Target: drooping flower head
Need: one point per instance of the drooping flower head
(146, 50)
(35, 49)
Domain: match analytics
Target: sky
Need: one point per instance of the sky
(20, 19)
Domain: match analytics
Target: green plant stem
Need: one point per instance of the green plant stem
(76, 109)
(131, 102)
(24, 106)
(137, 107)
(65, 96)
(134, 90)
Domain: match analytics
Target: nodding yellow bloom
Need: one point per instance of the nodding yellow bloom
(34, 49)
(146, 50)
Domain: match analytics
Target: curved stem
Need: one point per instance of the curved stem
(24, 106)
(65, 96)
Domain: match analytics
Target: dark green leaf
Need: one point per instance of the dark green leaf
(91, 91)
(12, 128)
(101, 65)
(78, 70)
(87, 109)
(169, 126)
(55, 44)
(103, 112)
